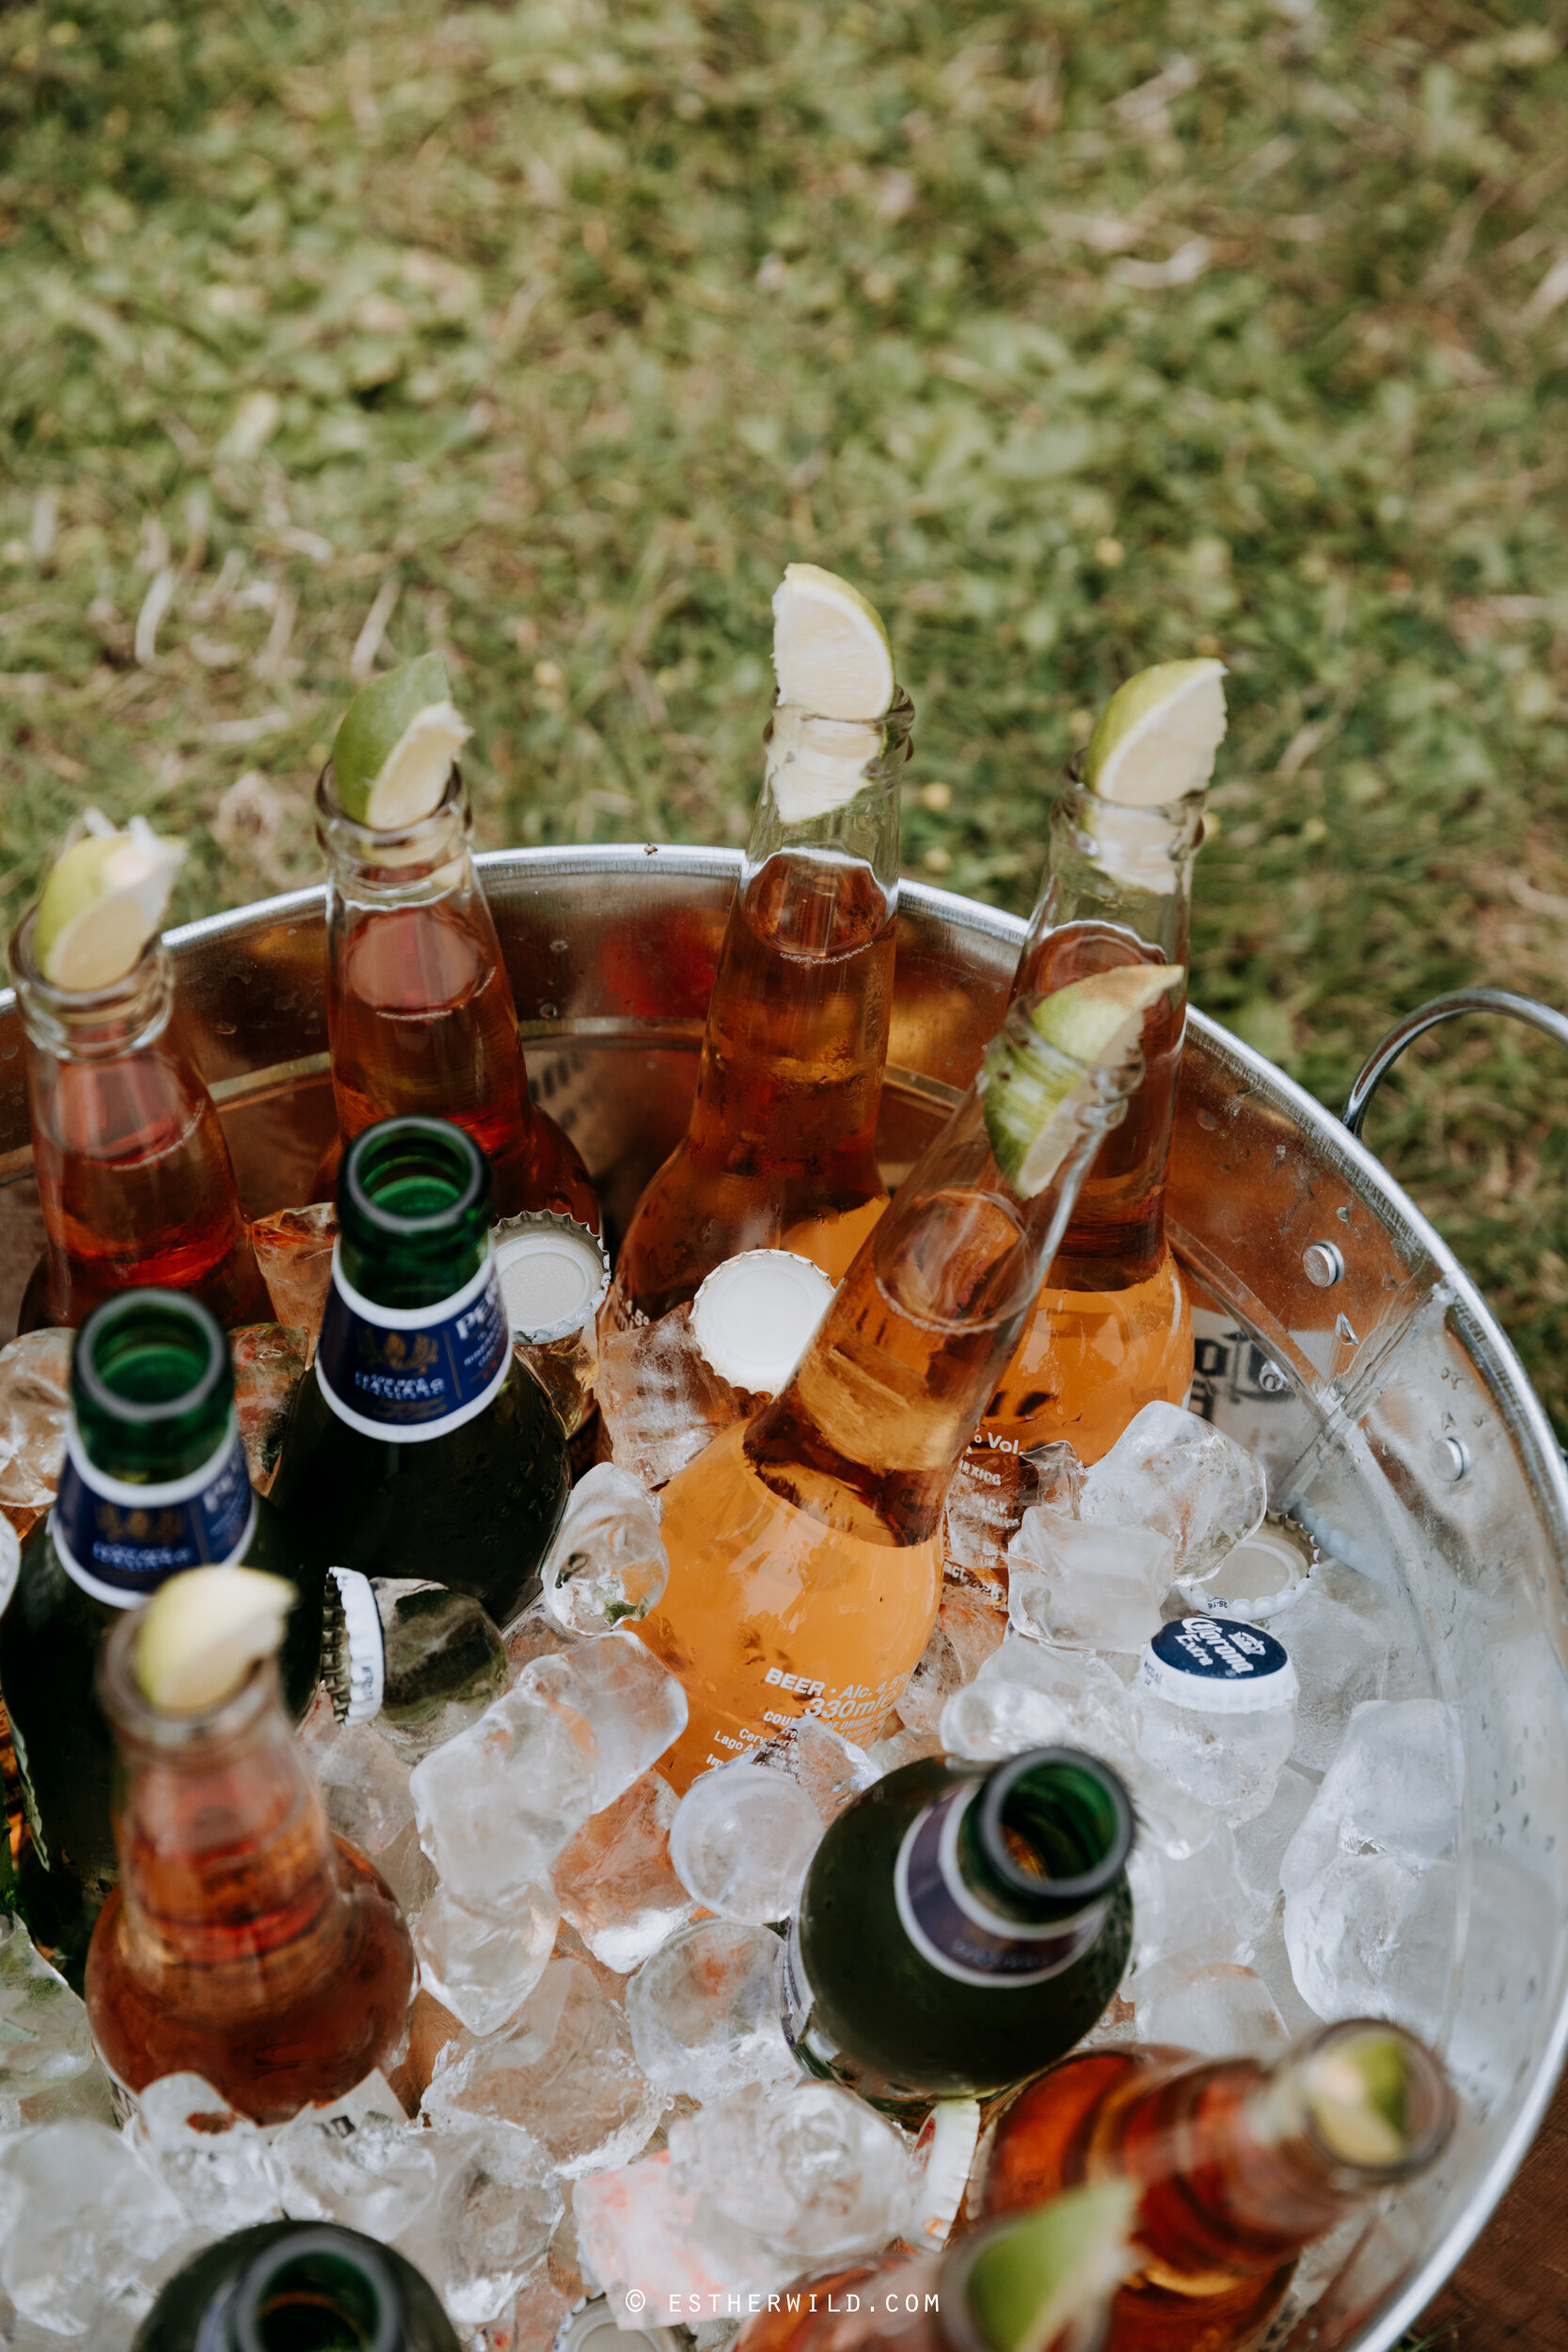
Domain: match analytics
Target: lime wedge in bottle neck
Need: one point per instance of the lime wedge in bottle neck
(395, 745)
(104, 898)
(202, 1632)
(1157, 737)
(1094, 1022)
(836, 684)
(1043, 2281)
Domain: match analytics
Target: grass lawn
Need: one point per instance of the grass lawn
(1083, 335)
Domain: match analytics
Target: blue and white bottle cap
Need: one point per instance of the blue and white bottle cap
(1217, 1666)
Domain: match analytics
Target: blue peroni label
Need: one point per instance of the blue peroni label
(950, 1926)
(410, 1372)
(120, 1541)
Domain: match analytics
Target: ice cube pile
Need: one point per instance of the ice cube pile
(598, 2094)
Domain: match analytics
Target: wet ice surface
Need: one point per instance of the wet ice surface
(614, 2102)
(660, 1400)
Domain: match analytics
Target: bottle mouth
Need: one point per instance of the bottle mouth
(154, 1357)
(1055, 1823)
(318, 2290)
(372, 847)
(54, 1015)
(147, 1730)
(1375, 2103)
(413, 1179)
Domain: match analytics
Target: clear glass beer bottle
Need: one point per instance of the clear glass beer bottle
(419, 1011)
(781, 1148)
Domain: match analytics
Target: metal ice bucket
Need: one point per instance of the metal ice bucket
(1336, 1334)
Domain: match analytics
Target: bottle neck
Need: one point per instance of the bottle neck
(228, 1870)
(313, 2288)
(1128, 869)
(414, 866)
(831, 796)
(871, 1426)
(94, 1024)
(156, 1478)
(1246, 2164)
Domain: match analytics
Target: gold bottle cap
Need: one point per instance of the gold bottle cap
(754, 1316)
(553, 1275)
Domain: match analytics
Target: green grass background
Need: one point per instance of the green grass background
(1081, 335)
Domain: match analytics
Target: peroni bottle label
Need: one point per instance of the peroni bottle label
(412, 1372)
(956, 1931)
(121, 1541)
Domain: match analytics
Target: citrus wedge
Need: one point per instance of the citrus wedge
(395, 745)
(830, 647)
(1157, 737)
(1045, 2280)
(1358, 2092)
(205, 1631)
(104, 900)
(1096, 1021)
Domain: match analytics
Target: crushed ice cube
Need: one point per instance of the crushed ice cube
(216, 2163)
(44, 2034)
(661, 1399)
(1175, 1472)
(788, 2175)
(483, 1965)
(482, 2236)
(1197, 1910)
(831, 1769)
(496, 1804)
(616, 1697)
(1370, 1877)
(1088, 1584)
(704, 2010)
(1341, 1656)
(293, 1253)
(35, 1405)
(1217, 2009)
(741, 1841)
(608, 1564)
(270, 1362)
(641, 2236)
(968, 1631)
(564, 2069)
(85, 2225)
(615, 1880)
(443, 1662)
(369, 2171)
(365, 1784)
(986, 1501)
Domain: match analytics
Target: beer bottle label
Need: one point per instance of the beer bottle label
(412, 1372)
(120, 1541)
(949, 1924)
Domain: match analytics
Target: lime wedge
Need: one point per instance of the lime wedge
(1047, 2277)
(203, 1632)
(1097, 1021)
(1358, 2094)
(830, 647)
(1158, 735)
(395, 749)
(104, 900)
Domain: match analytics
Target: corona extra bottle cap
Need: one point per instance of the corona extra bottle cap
(753, 1315)
(1218, 1667)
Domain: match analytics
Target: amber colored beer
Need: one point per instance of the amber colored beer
(1113, 1329)
(1238, 2179)
(805, 1547)
(781, 1148)
(419, 1008)
(245, 1943)
(134, 1174)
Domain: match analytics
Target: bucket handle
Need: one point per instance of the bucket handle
(1382, 1057)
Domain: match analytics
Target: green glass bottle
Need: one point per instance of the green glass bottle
(154, 1480)
(960, 1928)
(423, 1447)
(286, 2287)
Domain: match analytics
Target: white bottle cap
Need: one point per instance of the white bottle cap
(754, 1314)
(1217, 1666)
(553, 1274)
(1265, 1573)
(354, 1648)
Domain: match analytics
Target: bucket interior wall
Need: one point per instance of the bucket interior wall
(1364, 1399)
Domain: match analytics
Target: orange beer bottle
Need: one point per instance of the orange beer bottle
(805, 1554)
(781, 1148)
(1113, 1329)
(245, 1943)
(133, 1173)
(1241, 2163)
(420, 1012)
